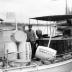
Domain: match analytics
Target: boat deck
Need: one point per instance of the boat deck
(64, 60)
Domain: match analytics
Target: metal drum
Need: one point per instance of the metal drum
(25, 51)
(20, 36)
(11, 51)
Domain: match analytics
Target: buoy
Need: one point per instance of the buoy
(20, 36)
(45, 53)
(10, 51)
(25, 51)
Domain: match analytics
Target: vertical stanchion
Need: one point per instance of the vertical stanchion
(16, 24)
(50, 29)
(37, 25)
(29, 21)
(7, 60)
(47, 27)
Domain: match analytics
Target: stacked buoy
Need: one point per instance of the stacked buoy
(24, 48)
(25, 51)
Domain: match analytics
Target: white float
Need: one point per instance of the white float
(10, 51)
(20, 36)
(25, 51)
(45, 53)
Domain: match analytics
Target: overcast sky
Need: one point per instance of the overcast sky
(30, 8)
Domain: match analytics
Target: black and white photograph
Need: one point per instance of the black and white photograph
(35, 35)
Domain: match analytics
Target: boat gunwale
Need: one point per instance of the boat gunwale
(37, 67)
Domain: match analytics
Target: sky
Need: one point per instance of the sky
(25, 9)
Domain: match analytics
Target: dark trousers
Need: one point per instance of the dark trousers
(33, 46)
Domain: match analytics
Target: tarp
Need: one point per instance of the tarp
(53, 18)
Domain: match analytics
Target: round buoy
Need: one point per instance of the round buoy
(20, 36)
(25, 51)
(10, 51)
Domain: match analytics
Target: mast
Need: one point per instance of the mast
(66, 8)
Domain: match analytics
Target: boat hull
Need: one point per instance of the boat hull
(59, 67)
(65, 66)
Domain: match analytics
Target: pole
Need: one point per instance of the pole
(66, 7)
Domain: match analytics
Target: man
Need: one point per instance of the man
(31, 38)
